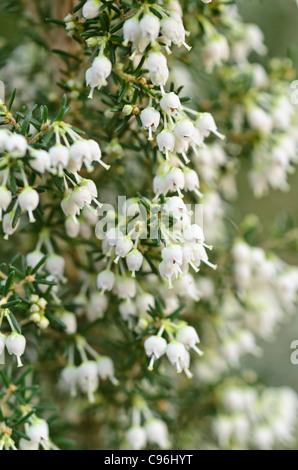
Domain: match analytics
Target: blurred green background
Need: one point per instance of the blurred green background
(279, 21)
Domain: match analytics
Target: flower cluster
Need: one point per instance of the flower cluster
(251, 419)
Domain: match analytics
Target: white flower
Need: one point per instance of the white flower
(157, 432)
(134, 260)
(81, 196)
(155, 347)
(189, 337)
(80, 151)
(2, 343)
(184, 130)
(206, 124)
(93, 80)
(88, 378)
(8, 229)
(160, 184)
(70, 321)
(41, 161)
(102, 67)
(105, 367)
(16, 344)
(38, 431)
(97, 307)
(176, 354)
(194, 234)
(16, 145)
(28, 445)
(175, 206)
(172, 254)
(157, 66)
(91, 9)
(55, 264)
(126, 287)
(170, 103)
(174, 31)
(136, 437)
(72, 227)
(123, 247)
(28, 201)
(69, 377)
(169, 271)
(144, 301)
(175, 180)
(166, 142)
(260, 120)
(215, 51)
(127, 309)
(4, 136)
(191, 181)
(150, 118)
(150, 26)
(175, 7)
(131, 30)
(59, 156)
(33, 258)
(106, 280)
(68, 206)
(5, 199)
